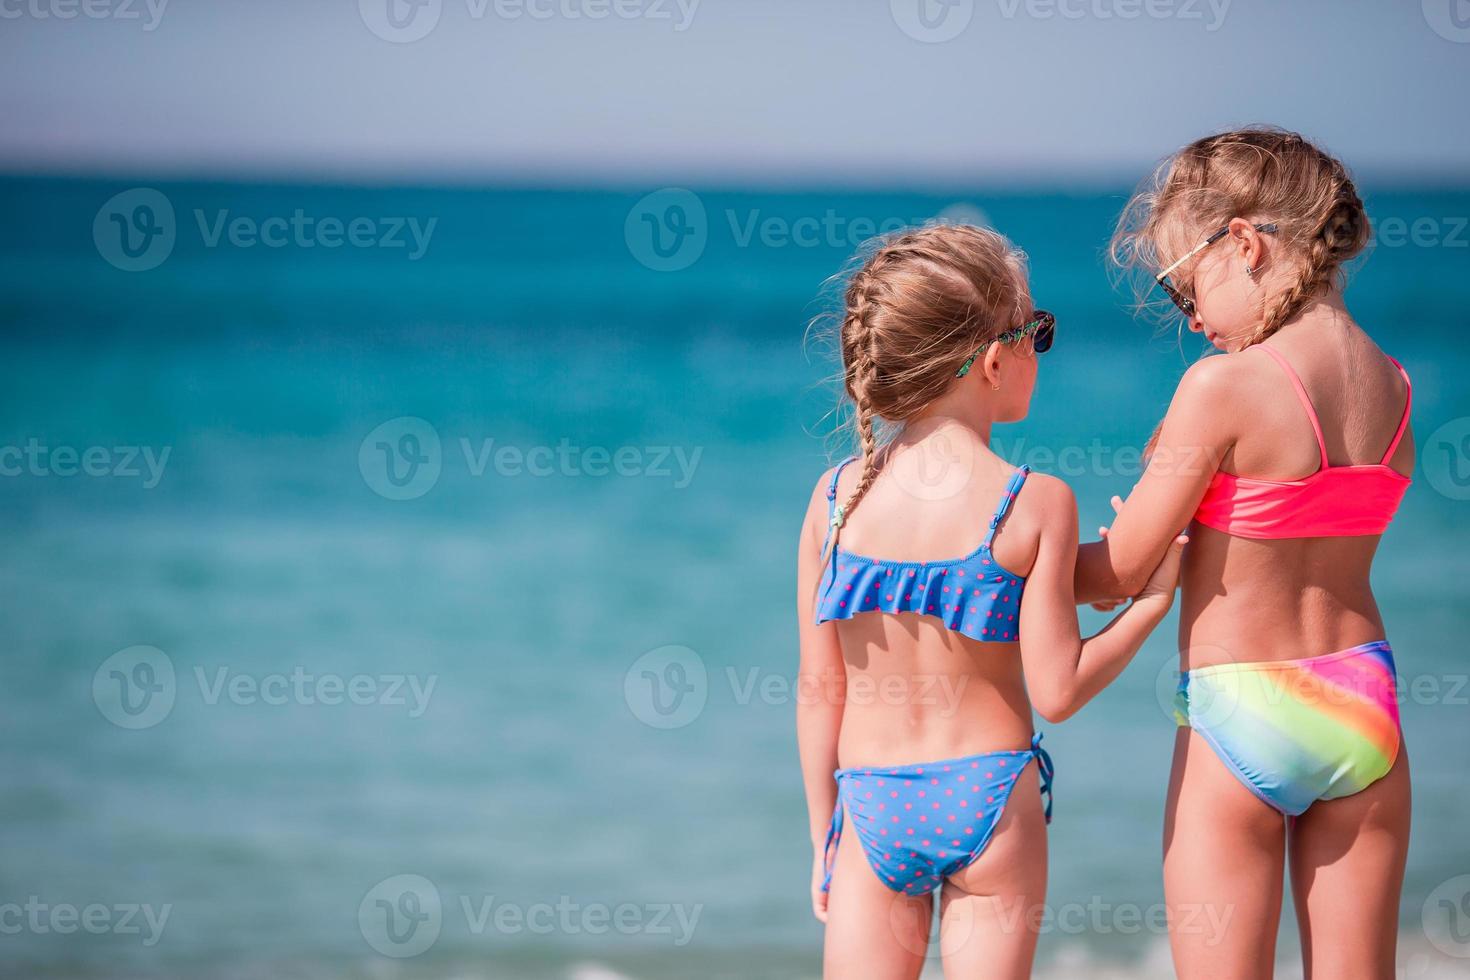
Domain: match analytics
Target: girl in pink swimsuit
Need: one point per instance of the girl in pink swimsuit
(1290, 455)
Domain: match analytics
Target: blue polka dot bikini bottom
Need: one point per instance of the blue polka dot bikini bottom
(920, 824)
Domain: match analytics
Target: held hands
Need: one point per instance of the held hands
(1165, 578)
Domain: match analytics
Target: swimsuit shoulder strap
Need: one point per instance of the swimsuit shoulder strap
(832, 487)
(832, 504)
(1301, 393)
(1007, 498)
(1403, 422)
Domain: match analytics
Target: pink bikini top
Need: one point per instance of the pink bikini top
(1335, 501)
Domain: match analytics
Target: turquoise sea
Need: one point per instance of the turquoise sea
(425, 610)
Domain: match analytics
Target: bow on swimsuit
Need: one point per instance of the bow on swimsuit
(918, 824)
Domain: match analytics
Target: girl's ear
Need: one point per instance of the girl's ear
(991, 364)
(1250, 245)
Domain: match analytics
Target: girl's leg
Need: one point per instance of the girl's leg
(1347, 869)
(1224, 850)
(873, 932)
(990, 911)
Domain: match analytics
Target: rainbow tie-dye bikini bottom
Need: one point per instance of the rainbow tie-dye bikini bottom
(1298, 731)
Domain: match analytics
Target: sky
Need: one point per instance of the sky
(801, 92)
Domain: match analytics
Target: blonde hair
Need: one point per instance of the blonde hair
(914, 309)
(1260, 173)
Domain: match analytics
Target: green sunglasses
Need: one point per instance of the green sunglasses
(1043, 327)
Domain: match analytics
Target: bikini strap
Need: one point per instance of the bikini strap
(832, 490)
(1045, 769)
(1408, 404)
(1301, 392)
(834, 836)
(832, 511)
(1009, 497)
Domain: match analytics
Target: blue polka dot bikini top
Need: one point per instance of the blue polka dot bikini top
(973, 595)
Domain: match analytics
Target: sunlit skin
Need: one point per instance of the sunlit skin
(1247, 600)
(957, 696)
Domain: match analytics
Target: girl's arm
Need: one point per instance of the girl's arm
(821, 689)
(1063, 670)
(1199, 429)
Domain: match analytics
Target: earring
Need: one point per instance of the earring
(1250, 273)
(995, 387)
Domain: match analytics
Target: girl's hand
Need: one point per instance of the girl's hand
(1165, 579)
(819, 897)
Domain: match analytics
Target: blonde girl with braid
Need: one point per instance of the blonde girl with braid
(935, 604)
(1286, 456)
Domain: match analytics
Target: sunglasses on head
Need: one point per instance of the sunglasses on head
(1185, 304)
(1042, 329)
